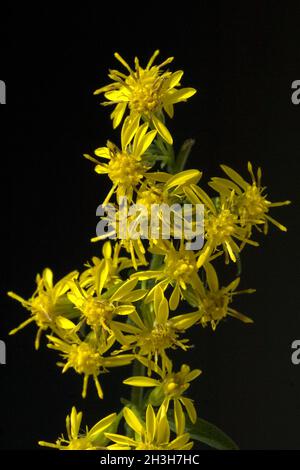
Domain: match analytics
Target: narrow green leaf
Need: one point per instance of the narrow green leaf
(209, 434)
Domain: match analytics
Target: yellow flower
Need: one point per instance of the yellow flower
(251, 201)
(178, 270)
(170, 387)
(134, 226)
(87, 358)
(125, 167)
(123, 226)
(99, 311)
(155, 335)
(146, 91)
(152, 435)
(111, 264)
(221, 225)
(46, 304)
(214, 302)
(76, 440)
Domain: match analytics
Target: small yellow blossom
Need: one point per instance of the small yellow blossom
(170, 387)
(111, 264)
(158, 196)
(99, 311)
(77, 440)
(125, 227)
(153, 339)
(178, 270)
(87, 358)
(153, 435)
(146, 91)
(251, 203)
(46, 303)
(125, 167)
(221, 225)
(214, 302)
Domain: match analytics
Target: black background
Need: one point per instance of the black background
(242, 59)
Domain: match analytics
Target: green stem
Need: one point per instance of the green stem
(137, 393)
(183, 154)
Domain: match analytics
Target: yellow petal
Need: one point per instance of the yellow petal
(132, 420)
(179, 442)
(163, 430)
(64, 323)
(129, 128)
(119, 439)
(184, 177)
(123, 62)
(135, 295)
(162, 130)
(230, 251)
(169, 108)
(162, 314)
(185, 321)
(175, 297)
(141, 381)
(101, 425)
(101, 276)
(102, 152)
(239, 316)
(118, 114)
(124, 310)
(140, 133)
(190, 408)
(48, 277)
(144, 275)
(116, 361)
(277, 224)
(203, 197)
(235, 176)
(125, 288)
(144, 143)
(193, 375)
(150, 423)
(159, 176)
(152, 59)
(100, 169)
(179, 417)
(180, 95)
(212, 278)
(175, 78)
(107, 250)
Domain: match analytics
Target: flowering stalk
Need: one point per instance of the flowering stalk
(125, 306)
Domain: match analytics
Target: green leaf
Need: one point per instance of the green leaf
(209, 434)
(183, 154)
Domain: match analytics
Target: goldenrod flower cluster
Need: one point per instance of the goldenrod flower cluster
(126, 305)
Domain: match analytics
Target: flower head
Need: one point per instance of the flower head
(46, 304)
(170, 387)
(251, 203)
(125, 167)
(100, 309)
(221, 225)
(87, 358)
(111, 264)
(154, 336)
(154, 434)
(147, 92)
(77, 440)
(214, 301)
(178, 270)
